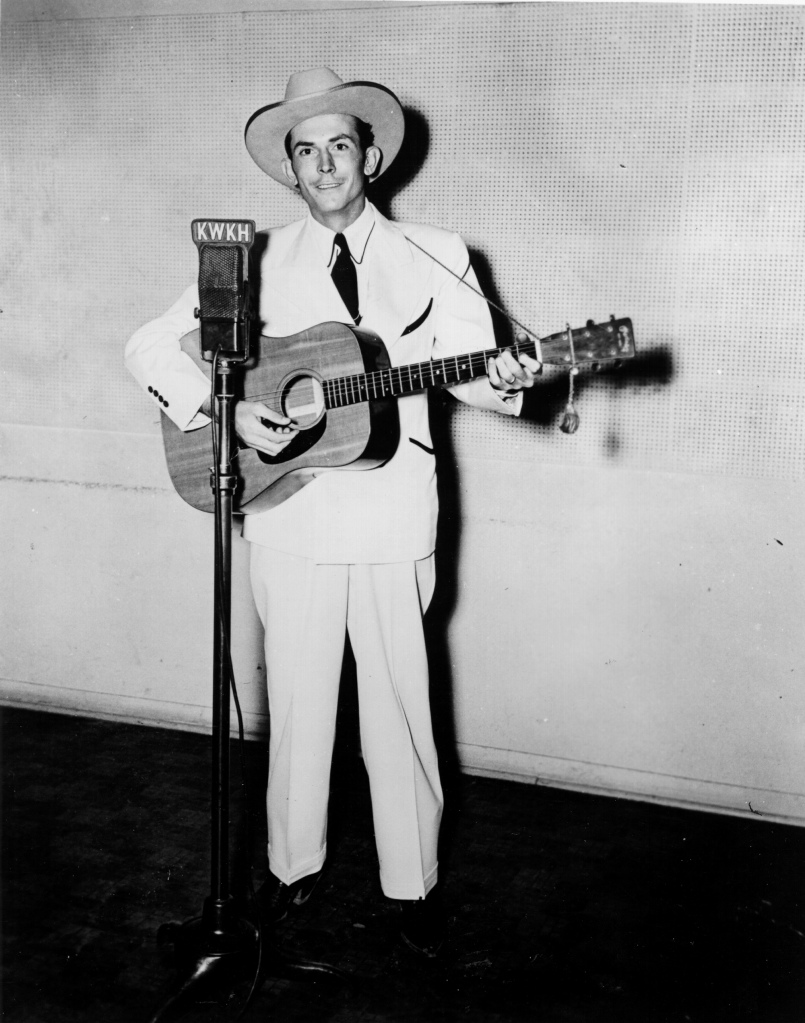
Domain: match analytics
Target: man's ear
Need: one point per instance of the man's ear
(371, 163)
(287, 170)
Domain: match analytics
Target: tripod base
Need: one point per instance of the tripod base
(214, 953)
(216, 959)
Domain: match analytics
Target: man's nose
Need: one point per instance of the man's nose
(325, 161)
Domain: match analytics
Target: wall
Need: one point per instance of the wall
(622, 606)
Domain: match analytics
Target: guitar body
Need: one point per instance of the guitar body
(337, 384)
(287, 374)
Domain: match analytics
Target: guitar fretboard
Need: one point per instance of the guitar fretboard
(398, 380)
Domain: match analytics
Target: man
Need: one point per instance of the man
(351, 550)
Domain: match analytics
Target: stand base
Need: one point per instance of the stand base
(214, 953)
(216, 957)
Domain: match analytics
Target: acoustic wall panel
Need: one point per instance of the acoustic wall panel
(642, 160)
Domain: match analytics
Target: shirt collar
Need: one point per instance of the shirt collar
(357, 235)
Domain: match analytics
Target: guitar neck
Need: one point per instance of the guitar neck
(399, 380)
(594, 343)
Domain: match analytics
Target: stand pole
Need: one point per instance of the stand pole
(219, 796)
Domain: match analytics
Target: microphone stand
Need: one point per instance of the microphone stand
(222, 948)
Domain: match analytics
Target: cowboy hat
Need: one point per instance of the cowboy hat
(321, 91)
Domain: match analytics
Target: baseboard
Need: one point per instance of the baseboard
(627, 783)
(128, 709)
(529, 768)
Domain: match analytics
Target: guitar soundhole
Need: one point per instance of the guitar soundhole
(303, 400)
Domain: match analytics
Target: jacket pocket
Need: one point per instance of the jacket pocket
(424, 447)
(418, 321)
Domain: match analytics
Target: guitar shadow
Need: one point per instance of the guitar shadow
(544, 403)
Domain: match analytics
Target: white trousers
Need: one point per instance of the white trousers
(306, 609)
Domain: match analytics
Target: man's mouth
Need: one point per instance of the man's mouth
(329, 184)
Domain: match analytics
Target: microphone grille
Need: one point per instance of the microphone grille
(220, 275)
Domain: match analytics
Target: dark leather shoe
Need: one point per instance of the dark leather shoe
(423, 925)
(275, 898)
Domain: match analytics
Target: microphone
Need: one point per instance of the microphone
(223, 287)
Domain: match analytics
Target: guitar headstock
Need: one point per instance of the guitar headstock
(593, 343)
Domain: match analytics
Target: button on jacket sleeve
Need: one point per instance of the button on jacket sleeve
(153, 356)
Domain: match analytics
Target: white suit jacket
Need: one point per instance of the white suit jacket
(380, 515)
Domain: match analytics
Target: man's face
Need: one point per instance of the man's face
(329, 168)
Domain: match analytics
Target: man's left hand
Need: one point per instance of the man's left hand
(507, 373)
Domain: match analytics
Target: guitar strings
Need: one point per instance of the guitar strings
(475, 362)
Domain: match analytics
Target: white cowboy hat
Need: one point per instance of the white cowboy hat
(321, 91)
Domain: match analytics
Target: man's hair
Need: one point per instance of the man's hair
(366, 137)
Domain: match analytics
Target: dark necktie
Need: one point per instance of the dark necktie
(345, 277)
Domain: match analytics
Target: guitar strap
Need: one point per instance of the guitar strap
(534, 336)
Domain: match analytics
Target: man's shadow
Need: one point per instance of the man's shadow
(408, 163)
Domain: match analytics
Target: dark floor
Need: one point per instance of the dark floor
(563, 907)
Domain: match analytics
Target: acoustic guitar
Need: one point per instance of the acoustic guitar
(337, 383)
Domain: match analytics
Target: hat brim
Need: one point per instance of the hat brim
(377, 106)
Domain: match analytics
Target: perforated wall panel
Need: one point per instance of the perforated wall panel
(641, 160)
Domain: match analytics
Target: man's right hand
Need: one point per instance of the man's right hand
(270, 437)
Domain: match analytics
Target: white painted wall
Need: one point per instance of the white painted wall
(628, 602)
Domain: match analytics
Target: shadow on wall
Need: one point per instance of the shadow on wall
(543, 406)
(405, 168)
(545, 403)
